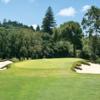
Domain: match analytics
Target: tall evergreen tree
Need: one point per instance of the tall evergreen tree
(38, 28)
(48, 22)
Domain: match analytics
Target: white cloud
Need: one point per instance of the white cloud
(34, 26)
(5, 1)
(85, 8)
(67, 12)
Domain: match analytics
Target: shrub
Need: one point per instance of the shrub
(0, 59)
(15, 60)
(97, 60)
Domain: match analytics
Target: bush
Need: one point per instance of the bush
(97, 60)
(15, 60)
(0, 59)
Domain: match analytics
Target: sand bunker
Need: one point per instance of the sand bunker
(90, 69)
(4, 64)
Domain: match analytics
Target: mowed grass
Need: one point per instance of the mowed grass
(47, 79)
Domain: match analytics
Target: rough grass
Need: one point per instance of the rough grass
(48, 79)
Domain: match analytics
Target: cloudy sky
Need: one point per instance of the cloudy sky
(31, 12)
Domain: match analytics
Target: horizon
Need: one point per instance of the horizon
(31, 12)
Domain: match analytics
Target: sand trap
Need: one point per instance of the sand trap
(3, 64)
(90, 69)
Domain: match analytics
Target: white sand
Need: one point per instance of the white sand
(3, 64)
(92, 69)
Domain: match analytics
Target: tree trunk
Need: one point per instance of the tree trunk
(74, 50)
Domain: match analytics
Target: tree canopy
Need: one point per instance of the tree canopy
(72, 32)
(50, 41)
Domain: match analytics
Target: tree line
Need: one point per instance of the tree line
(70, 39)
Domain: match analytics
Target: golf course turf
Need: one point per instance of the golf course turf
(48, 79)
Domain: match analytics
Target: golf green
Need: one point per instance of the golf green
(47, 79)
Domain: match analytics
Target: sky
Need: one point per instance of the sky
(31, 12)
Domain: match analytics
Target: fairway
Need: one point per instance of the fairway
(47, 79)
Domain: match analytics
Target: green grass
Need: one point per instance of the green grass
(48, 79)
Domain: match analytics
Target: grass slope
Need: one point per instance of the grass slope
(47, 79)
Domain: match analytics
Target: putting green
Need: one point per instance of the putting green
(47, 79)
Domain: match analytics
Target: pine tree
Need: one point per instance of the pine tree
(38, 28)
(48, 22)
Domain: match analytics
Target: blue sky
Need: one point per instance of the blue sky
(31, 12)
